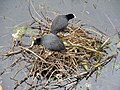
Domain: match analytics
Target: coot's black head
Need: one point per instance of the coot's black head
(70, 16)
(37, 41)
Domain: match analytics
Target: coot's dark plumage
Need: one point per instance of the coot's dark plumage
(51, 42)
(60, 23)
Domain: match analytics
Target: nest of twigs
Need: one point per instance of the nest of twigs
(86, 53)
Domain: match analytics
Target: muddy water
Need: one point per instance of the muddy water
(103, 14)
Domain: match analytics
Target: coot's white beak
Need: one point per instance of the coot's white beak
(74, 15)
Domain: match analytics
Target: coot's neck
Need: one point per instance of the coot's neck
(54, 32)
(67, 17)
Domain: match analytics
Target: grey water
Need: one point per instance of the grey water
(103, 14)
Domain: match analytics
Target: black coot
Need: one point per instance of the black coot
(51, 42)
(60, 23)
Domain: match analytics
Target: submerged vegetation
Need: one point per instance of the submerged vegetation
(87, 52)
